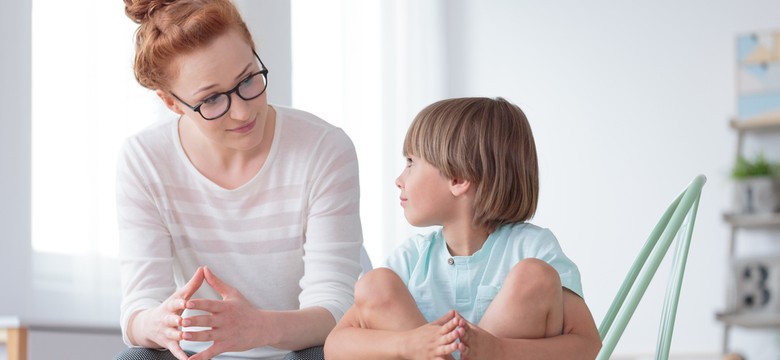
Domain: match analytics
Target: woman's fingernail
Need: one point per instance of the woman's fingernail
(186, 322)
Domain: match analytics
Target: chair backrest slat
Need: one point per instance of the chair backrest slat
(669, 228)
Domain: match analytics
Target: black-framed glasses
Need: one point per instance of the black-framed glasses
(217, 105)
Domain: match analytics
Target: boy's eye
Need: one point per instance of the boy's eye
(409, 162)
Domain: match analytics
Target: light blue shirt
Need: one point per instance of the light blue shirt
(439, 281)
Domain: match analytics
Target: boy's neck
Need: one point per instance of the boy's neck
(464, 240)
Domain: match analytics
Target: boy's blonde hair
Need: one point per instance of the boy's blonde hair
(487, 142)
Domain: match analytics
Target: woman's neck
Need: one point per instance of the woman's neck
(227, 167)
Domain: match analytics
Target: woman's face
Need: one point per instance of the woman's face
(219, 67)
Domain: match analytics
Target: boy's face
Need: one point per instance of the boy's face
(425, 193)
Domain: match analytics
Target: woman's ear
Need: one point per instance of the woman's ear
(169, 101)
(459, 187)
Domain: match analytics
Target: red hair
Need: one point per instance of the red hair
(170, 28)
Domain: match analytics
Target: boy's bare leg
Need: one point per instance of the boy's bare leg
(529, 304)
(385, 323)
(383, 302)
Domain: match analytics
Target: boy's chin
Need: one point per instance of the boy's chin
(420, 224)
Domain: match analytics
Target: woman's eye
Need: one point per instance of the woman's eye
(211, 100)
(248, 81)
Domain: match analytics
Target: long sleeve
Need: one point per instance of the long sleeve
(333, 232)
(145, 249)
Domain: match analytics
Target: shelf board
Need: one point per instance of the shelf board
(752, 220)
(750, 320)
(756, 124)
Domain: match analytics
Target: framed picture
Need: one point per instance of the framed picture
(758, 75)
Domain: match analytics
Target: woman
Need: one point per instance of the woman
(239, 227)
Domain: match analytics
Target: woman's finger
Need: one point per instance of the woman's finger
(201, 335)
(192, 285)
(172, 320)
(208, 305)
(174, 304)
(222, 288)
(172, 333)
(176, 350)
(198, 320)
(207, 354)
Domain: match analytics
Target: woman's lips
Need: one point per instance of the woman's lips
(246, 128)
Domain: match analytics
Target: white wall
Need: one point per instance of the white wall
(14, 155)
(269, 22)
(628, 102)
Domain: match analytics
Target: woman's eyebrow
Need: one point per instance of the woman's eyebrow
(238, 77)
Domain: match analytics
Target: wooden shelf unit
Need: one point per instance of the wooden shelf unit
(752, 319)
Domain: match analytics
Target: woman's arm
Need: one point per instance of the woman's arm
(333, 230)
(151, 305)
(580, 338)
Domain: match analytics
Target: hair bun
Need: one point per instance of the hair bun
(140, 10)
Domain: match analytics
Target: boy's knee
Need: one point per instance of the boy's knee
(534, 275)
(377, 287)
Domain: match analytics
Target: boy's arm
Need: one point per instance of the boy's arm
(580, 338)
(349, 340)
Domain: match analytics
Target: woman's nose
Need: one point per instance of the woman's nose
(239, 108)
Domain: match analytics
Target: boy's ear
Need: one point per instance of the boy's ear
(459, 187)
(169, 101)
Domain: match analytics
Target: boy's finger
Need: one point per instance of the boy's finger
(448, 326)
(443, 320)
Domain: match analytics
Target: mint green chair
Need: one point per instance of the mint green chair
(675, 224)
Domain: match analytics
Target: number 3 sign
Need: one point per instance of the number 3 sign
(756, 284)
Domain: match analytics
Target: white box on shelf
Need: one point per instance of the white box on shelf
(755, 284)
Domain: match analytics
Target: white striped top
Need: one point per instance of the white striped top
(290, 238)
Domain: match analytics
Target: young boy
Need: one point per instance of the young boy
(487, 284)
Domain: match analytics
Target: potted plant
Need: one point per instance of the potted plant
(757, 185)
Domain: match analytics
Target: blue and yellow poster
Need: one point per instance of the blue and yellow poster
(758, 75)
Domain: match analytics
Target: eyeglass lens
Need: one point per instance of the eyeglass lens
(250, 88)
